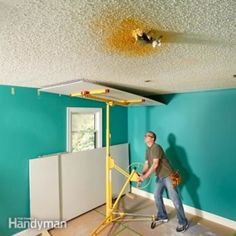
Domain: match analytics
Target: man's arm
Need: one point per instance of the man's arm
(145, 168)
(155, 163)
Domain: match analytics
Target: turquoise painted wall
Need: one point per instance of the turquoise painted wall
(198, 131)
(32, 125)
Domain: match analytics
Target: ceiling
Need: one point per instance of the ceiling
(49, 42)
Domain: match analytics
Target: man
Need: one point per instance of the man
(156, 162)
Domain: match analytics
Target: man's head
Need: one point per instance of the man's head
(149, 137)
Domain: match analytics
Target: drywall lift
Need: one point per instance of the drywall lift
(111, 214)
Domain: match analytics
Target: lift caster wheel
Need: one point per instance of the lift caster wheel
(153, 225)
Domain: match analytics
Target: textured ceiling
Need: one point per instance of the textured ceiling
(46, 42)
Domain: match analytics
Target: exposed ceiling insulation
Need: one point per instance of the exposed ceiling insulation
(48, 42)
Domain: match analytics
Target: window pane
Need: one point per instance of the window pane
(83, 141)
(84, 129)
(82, 122)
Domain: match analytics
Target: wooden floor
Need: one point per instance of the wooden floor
(86, 223)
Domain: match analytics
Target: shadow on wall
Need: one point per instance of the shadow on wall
(178, 159)
(166, 99)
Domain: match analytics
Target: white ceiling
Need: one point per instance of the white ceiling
(46, 42)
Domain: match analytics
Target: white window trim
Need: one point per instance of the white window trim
(98, 124)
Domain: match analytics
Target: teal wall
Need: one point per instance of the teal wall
(198, 131)
(32, 125)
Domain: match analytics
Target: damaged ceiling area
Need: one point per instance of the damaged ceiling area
(151, 47)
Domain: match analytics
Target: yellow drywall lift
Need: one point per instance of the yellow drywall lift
(111, 214)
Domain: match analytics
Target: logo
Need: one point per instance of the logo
(31, 223)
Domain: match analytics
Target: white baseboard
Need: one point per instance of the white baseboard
(191, 210)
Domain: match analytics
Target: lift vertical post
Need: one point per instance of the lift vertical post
(108, 167)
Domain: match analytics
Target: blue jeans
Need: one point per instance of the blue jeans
(161, 185)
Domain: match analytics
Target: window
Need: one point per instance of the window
(84, 129)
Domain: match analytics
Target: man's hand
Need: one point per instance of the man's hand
(141, 178)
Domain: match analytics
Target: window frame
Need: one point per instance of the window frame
(84, 110)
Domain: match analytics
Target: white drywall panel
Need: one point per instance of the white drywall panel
(83, 179)
(44, 188)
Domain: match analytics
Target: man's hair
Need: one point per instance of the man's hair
(153, 134)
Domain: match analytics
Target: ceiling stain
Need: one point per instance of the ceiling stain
(122, 41)
(117, 35)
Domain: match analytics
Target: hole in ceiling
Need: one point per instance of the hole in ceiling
(146, 38)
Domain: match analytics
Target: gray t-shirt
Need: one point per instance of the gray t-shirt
(156, 152)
